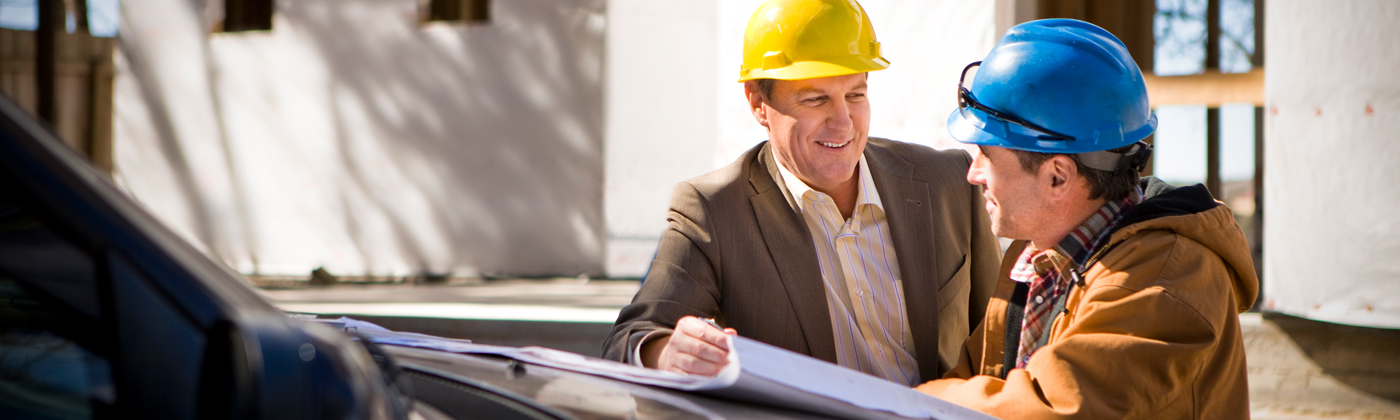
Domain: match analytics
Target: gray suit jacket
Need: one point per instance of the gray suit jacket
(738, 250)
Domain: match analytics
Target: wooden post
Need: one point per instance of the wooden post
(46, 58)
(99, 129)
(1138, 36)
(1258, 58)
(1213, 152)
(1257, 250)
(1259, 114)
(80, 14)
(1213, 34)
(1213, 113)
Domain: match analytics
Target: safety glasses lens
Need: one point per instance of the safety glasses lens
(965, 100)
(968, 75)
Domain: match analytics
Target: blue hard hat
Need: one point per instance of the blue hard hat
(1055, 86)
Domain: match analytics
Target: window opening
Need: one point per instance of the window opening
(247, 15)
(469, 11)
(1179, 29)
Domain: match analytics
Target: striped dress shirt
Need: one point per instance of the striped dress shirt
(861, 274)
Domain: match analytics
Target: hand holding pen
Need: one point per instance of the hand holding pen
(697, 347)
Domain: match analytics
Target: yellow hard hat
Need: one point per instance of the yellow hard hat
(807, 39)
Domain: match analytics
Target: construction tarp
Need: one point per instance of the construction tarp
(356, 137)
(1331, 181)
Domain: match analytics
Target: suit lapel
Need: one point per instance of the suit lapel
(909, 210)
(790, 244)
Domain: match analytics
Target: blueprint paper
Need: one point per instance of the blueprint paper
(757, 372)
(816, 377)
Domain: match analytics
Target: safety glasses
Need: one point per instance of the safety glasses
(967, 102)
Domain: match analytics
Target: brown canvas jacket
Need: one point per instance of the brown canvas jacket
(1152, 333)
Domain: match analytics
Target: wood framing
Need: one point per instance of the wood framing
(1211, 88)
(1129, 20)
(82, 73)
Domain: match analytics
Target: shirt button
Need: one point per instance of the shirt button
(860, 292)
(1039, 300)
(879, 348)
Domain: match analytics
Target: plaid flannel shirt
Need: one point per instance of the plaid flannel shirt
(1048, 284)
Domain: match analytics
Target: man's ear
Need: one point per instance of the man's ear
(755, 96)
(1061, 173)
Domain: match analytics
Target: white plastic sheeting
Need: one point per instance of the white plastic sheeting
(1331, 184)
(353, 137)
(675, 110)
(661, 118)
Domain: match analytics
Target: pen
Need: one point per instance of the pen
(712, 323)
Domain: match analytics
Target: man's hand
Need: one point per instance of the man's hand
(694, 348)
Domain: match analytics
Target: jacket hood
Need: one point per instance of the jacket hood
(1190, 211)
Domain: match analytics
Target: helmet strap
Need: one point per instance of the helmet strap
(1135, 157)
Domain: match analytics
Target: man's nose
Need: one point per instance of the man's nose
(840, 118)
(975, 176)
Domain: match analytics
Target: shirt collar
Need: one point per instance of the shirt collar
(1080, 243)
(866, 193)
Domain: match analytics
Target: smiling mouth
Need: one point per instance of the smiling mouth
(834, 145)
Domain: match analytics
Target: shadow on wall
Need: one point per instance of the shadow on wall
(1362, 358)
(510, 131)
(368, 144)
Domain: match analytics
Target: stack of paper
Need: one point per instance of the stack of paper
(757, 373)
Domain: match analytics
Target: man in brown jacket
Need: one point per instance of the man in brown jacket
(1121, 298)
(869, 253)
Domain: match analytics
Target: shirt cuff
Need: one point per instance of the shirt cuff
(636, 357)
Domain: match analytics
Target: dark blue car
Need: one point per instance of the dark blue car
(105, 313)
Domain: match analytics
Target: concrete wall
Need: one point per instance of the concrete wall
(355, 138)
(545, 142)
(1331, 182)
(661, 118)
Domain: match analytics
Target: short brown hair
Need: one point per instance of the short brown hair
(1111, 186)
(765, 86)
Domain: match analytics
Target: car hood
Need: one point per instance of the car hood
(572, 394)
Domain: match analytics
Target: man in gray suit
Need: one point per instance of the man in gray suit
(865, 252)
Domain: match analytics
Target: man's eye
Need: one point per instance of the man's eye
(814, 100)
(856, 97)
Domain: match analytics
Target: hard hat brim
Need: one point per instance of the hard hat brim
(818, 69)
(978, 128)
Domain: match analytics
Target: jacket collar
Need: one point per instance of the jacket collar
(866, 192)
(790, 245)
(909, 210)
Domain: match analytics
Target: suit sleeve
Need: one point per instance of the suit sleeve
(986, 256)
(971, 356)
(682, 280)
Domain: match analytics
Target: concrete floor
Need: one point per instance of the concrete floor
(1298, 368)
(1304, 369)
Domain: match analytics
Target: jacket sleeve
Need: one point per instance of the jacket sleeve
(682, 279)
(1130, 348)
